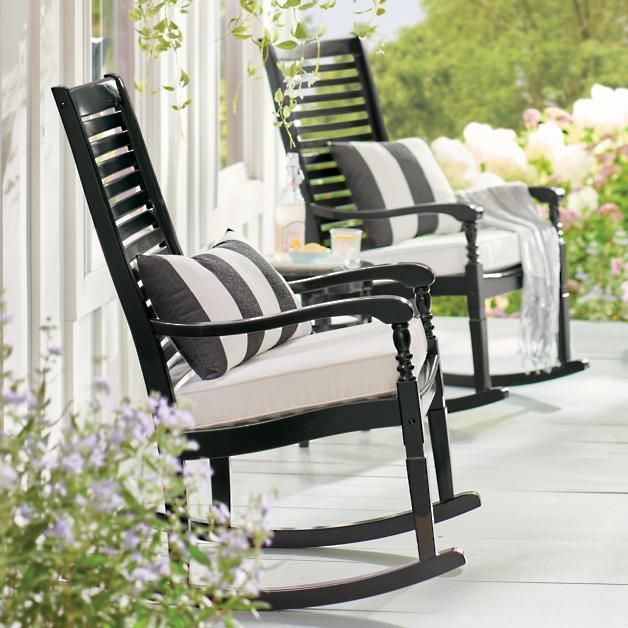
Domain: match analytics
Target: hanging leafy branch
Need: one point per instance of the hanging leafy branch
(281, 23)
(158, 33)
(285, 24)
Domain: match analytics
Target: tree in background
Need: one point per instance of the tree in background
(488, 60)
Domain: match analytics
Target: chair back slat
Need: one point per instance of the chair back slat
(123, 184)
(95, 98)
(118, 163)
(341, 106)
(144, 244)
(127, 209)
(136, 225)
(109, 143)
(339, 97)
(127, 203)
(102, 123)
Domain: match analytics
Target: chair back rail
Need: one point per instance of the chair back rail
(341, 106)
(127, 209)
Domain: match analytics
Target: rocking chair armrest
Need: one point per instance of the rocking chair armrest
(463, 212)
(546, 194)
(552, 196)
(388, 309)
(411, 275)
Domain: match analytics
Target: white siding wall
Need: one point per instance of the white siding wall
(45, 262)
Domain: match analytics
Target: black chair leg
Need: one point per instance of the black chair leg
(485, 391)
(221, 481)
(413, 440)
(479, 342)
(437, 421)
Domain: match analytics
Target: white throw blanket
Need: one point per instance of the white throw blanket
(510, 207)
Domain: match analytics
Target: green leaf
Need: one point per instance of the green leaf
(287, 44)
(299, 31)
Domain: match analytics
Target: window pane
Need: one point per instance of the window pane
(102, 37)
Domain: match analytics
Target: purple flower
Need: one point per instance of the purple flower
(221, 513)
(74, 463)
(14, 398)
(89, 442)
(141, 575)
(58, 488)
(96, 458)
(169, 415)
(150, 573)
(63, 530)
(130, 540)
(102, 384)
(118, 435)
(234, 541)
(172, 463)
(55, 350)
(23, 515)
(142, 427)
(107, 495)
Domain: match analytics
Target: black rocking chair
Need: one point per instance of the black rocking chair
(343, 106)
(131, 218)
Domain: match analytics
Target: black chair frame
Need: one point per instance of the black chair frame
(131, 218)
(346, 108)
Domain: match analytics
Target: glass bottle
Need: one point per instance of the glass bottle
(290, 211)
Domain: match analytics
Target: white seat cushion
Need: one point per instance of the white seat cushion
(326, 368)
(447, 254)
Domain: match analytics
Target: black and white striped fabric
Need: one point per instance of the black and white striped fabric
(389, 175)
(231, 281)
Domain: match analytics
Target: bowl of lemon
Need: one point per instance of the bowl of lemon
(311, 253)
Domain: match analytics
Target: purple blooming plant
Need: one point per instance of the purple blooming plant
(82, 543)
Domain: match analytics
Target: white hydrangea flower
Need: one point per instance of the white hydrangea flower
(605, 112)
(583, 200)
(456, 160)
(546, 142)
(497, 150)
(574, 164)
(477, 137)
(509, 161)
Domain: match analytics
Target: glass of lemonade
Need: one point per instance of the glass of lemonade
(345, 246)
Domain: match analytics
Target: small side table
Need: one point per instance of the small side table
(293, 272)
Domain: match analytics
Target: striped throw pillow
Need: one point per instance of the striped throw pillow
(389, 175)
(231, 281)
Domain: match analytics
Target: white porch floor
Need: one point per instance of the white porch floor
(549, 547)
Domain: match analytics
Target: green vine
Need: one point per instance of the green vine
(158, 33)
(284, 23)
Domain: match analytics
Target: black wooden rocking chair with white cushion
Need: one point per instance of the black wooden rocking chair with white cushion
(381, 374)
(338, 124)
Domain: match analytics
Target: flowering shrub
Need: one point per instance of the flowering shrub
(81, 543)
(585, 152)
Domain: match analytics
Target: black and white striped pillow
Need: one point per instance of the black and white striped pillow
(231, 281)
(389, 175)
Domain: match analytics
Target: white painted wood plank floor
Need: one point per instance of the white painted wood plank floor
(549, 547)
